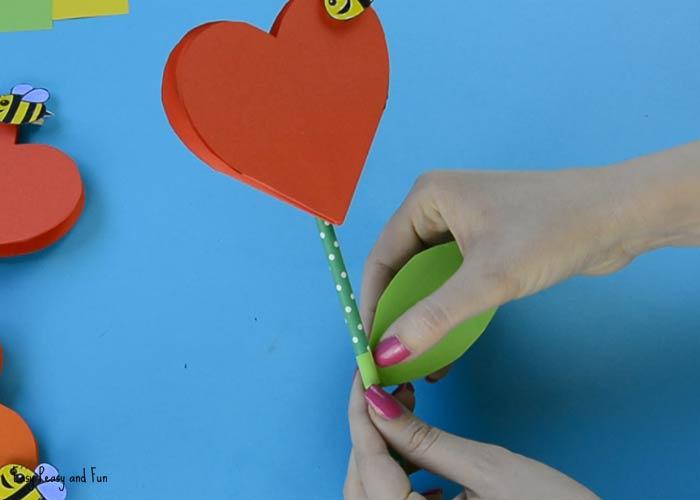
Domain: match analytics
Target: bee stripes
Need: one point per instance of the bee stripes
(20, 483)
(10, 107)
(27, 492)
(36, 111)
(24, 104)
(19, 112)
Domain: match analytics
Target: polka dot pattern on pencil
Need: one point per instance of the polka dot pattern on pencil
(343, 287)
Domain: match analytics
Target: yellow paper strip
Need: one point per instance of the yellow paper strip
(70, 9)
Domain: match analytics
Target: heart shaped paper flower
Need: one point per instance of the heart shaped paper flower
(292, 112)
(41, 195)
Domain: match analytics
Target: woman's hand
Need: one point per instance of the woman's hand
(486, 472)
(521, 232)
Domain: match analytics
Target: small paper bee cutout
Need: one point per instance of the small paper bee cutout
(20, 483)
(344, 10)
(23, 105)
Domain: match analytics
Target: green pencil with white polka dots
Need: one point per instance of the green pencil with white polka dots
(363, 353)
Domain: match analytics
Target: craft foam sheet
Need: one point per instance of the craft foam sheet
(424, 274)
(41, 195)
(292, 112)
(21, 15)
(68, 9)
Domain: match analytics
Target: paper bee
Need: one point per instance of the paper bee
(23, 105)
(21, 483)
(346, 9)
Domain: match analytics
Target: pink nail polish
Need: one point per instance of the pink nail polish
(390, 352)
(382, 403)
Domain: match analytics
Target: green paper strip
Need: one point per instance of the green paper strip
(24, 15)
(363, 356)
(424, 274)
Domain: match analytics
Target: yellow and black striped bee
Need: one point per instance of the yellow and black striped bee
(346, 9)
(24, 104)
(21, 483)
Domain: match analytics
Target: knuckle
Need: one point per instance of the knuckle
(421, 438)
(502, 280)
(429, 320)
(428, 181)
(423, 181)
(375, 265)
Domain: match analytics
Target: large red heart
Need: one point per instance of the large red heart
(293, 112)
(41, 195)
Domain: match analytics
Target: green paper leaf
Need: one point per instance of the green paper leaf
(424, 274)
(20, 15)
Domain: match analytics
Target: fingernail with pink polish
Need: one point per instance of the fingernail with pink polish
(383, 403)
(390, 352)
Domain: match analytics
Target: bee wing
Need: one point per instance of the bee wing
(21, 89)
(46, 470)
(37, 96)
(52, 490)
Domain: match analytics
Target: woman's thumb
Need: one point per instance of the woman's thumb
(426, 323)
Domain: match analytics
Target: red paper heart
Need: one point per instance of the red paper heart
(293, 112)
(17, 443)
(41, 195)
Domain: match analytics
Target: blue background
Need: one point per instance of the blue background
(185, 337)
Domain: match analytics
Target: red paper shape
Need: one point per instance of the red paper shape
(41, 195)
(293, 112)
(17, 443)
